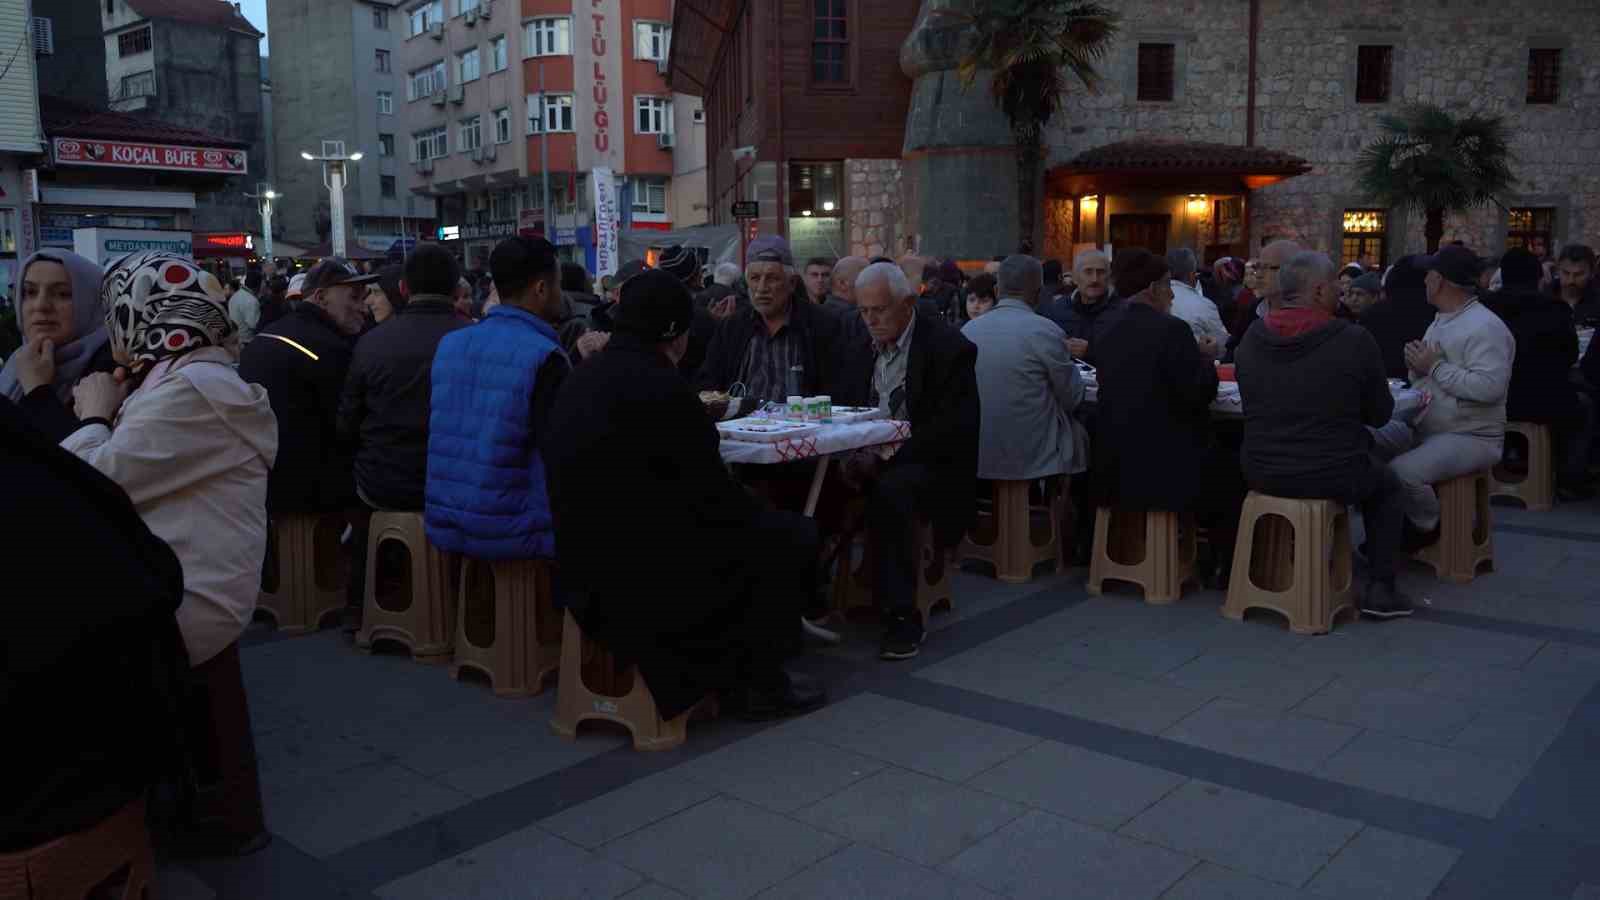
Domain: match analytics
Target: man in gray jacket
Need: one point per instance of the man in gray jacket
(1463, 362)
(1027, 384)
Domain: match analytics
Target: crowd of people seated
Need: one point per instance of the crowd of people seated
(171, 422)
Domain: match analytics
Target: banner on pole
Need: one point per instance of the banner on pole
(597, 53)
(605, 222)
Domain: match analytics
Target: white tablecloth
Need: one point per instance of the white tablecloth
(828, 440)
(1229, 404)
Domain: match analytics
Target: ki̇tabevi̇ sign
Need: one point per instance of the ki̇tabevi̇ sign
(136, 155)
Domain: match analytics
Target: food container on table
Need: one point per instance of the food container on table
(795, 408)
(820, 409)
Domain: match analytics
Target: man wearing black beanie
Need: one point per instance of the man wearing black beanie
(668, 562)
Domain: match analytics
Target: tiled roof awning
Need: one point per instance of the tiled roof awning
(64, 118)
(1178, 165)
(699, 30)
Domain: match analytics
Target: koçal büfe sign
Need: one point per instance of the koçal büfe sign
(134, 155)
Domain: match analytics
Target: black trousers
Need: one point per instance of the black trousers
(1381, 496)
(222, 793)
(895, 506)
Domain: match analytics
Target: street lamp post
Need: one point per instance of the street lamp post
(266, 195)
(333, 179)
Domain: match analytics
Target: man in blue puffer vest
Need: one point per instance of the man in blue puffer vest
(494, 385)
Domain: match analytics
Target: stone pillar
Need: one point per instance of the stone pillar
(960, 158)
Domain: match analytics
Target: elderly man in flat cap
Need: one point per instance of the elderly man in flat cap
(758, 347)
(670, 564)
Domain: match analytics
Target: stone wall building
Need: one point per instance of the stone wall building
(1176, 148)
(805, 107)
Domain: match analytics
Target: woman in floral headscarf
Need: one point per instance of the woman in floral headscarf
(191, 445)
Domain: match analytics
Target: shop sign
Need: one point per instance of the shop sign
(489, 231)
(566, 237)
(50, 236)
(136, 155)
(104, 245)
(27, 216)
(225, 242)
(450, 233)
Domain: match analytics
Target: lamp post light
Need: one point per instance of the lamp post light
(333, 178)
(265, 195)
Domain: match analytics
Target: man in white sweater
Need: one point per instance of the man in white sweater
(1464, 363)
(1193, 307)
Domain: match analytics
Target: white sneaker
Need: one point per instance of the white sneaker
(816, 631)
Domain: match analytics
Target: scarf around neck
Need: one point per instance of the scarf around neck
(74, 357)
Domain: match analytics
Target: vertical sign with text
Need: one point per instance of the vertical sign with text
(605, 222)
(27, 245)
(600, 122)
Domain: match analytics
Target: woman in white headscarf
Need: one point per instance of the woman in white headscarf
(63, 338)
(191, 445)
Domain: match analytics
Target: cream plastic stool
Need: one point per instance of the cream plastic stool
(1466, 529)
(1005, 536)
(1536, 490)
(519, 645)
(426, 623)
(1154, 550)
(1295, 560)
(592, 686)
(852, 584)
(308, 583)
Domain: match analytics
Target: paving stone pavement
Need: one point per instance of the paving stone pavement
(1045, 744)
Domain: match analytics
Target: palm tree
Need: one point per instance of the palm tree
(1431, 161)
(1031, 46)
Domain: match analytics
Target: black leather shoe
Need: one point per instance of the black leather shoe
(1383, 601)
(799, 694)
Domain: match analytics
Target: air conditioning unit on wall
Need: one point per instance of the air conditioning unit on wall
(436, 31)
(664, 140)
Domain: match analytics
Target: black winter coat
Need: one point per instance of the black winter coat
(1153, 425)
(302, 360)
(1308, 401)
(650, 525)
(828, 339)
(1547, 349)
(1393, 323)
(943, 406)
(384, 411)
(1086, 323)
(90, 644)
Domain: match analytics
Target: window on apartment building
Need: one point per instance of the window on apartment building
(830, 42)
(699, 116)
(556, 109)
(816, 189)
(551, 36)
(502, 126)
(386, 185)
(385, 103)
(471, 134)
(382, 59)
(380, 18)
(1364, 236)
(139, 84)
(426, 81)
(1157, 72)
(468, 66)
(130, 43)
(333, 148)
(649, 196)
(497, 54)
(1374, 73)
(652, 115)
(1530, 228)
(1544, 74)
(649, 40)
(431, 143)
(385, 145)
(421, 18)
(503, 204)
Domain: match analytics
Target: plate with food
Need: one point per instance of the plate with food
(847, 414)
(763, 430)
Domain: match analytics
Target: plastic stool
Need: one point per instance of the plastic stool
(1295, 560)
(73, 866)
(426, 623)
(852, 584)
(1536, 489)
(312, 573)
(519, 645)
(593, 687)
(1466, 529)
(1005, 536)
(1159, 548)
